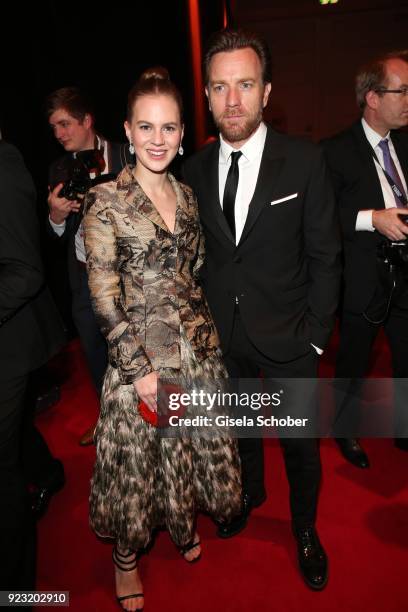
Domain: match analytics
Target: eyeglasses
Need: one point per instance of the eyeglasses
(403, 90)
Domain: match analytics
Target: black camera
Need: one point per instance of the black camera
(394, 253)
(74, 173)
(76, 187)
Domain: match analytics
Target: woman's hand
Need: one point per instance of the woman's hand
(146, 388)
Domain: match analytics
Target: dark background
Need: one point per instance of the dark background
(317, 50)
(103, 48)
(52, 44)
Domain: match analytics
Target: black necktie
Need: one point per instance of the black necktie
(230, 191)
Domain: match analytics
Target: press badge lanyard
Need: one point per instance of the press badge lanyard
(397, 191)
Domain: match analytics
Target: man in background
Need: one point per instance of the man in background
(369, 167)
(71, 117)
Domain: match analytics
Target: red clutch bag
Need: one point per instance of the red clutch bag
(148, 415)
(161, 418)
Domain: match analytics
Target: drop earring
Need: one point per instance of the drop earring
(180, 149)
(131, 148)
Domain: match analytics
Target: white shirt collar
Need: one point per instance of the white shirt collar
(250, 150)
(373, 137)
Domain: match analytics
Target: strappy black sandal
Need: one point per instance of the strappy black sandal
(185, 549)
(125, 564)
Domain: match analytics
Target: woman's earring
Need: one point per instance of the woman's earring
(131, 148)
(180, 149)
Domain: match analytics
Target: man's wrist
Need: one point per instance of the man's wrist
(57, 220)
(58, 228)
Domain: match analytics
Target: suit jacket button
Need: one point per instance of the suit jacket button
(237, 260)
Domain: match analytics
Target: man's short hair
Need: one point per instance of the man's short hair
(71, 99)
(372, 76)
(231, 40)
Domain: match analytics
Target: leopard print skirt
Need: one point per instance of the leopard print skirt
(142, 481)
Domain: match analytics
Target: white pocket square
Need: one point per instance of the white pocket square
(289, 197)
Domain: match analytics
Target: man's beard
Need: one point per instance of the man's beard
(239, 131)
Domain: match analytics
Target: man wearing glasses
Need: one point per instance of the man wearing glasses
(369, 167)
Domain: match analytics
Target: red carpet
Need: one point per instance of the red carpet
(363, 523)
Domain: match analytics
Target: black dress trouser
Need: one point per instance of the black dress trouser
(357, 336)
(301, 455)
(17, 528)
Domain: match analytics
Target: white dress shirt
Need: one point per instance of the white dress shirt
(364, 217)
(59, 228)
(248, 164)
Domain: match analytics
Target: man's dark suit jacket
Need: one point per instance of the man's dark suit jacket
(30, 327)
(285, 270)
(357, 187)
(118, 157)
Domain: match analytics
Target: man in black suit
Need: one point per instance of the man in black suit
(30, 333)
(366, 162)
(271, 271)
(71, 117)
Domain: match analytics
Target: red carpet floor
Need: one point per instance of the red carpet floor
(363, 523)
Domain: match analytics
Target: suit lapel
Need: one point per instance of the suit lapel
(401, 148)
(211, 187)
(271, 166)
(270, 169)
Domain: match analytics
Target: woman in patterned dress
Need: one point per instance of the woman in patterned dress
(144, 250)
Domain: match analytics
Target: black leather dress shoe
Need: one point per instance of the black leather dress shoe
(239, 522)
(312, 558)
(41, 496)
(353, 452)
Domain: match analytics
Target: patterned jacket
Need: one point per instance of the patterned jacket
(143, 279)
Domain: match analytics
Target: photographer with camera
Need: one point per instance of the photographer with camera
(369, 167)
(89, 160)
